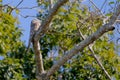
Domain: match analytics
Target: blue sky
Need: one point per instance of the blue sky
(24, 22)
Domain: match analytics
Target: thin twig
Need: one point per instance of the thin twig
(18, 4)
(93, 54)
(97, 8)
(26, 16)
(11, 7)
(28, 7)
(103, 5)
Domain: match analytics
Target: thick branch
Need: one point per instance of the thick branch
(38, 58)
(44, 26)
(42, 29)
(105, 28)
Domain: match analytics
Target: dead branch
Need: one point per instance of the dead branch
(103, 5)
(93, 54)
(28, 7)
(98, 10)
(19, 3)
(26, 16)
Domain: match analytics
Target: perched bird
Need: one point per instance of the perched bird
(35, 24)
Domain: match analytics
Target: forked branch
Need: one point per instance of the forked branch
(93, 54)
(44, 26)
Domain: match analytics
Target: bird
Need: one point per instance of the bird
(35, 24)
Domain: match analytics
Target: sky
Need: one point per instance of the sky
(25, 22)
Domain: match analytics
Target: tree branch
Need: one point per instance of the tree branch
(93, 54)
(44, 26)
(105, 28)
(38, 58)
(28, 7)
(26, 16)
(19, 3)
(99, 63)
(42, 29)
(97, 8)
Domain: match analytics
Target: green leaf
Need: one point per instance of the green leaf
(118, 0)
(17, 11)
(112, 2)
(109, 14)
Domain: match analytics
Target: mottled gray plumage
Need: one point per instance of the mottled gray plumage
(35, 24)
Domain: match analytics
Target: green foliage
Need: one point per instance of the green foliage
(9, 35)
(9, 40)
(16, 65)
(111, 2)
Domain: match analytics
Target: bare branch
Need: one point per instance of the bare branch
(97, 8)
(105, 28)
(93, 54)
(11, 7)
(99, 63)
(38, 57)
(19, 3)
(26, 16)
(103, 5)
(44, 26)
(28, 7)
